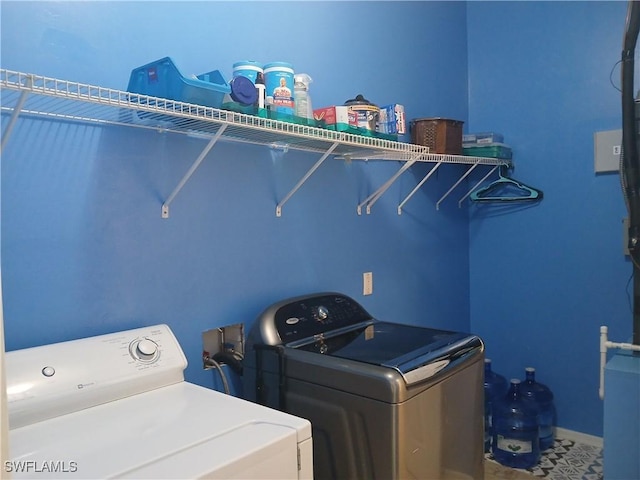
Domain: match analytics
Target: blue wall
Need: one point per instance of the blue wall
(544, 278)
(84, 250)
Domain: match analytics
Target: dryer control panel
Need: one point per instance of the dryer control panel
(307, 317)
(51, 380)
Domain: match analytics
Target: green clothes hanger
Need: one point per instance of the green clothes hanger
(505, 189)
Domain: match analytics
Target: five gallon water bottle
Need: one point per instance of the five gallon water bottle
(541, 398)
(515, 430)
(495, 387)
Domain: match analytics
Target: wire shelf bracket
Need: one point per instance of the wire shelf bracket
(466, 174)
(16, 113)
(191, 171)
(476, 185)
(373, 198)
(304, 179)
(417, 187)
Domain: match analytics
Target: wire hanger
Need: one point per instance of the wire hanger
(505, 189)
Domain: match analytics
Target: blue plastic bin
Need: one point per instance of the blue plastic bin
(163, 79)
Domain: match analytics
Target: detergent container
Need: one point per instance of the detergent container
(278, 79)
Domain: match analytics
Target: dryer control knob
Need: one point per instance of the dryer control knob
(322, 313)
(147, 348)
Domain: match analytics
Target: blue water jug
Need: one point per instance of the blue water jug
(516, 441)
(542, 398)
(495, 387)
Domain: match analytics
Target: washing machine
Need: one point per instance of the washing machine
(386, 400)
(117, 406)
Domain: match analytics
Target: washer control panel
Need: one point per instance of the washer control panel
(51, 380)
(313, 315)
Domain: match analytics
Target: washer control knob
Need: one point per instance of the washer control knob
(322, 313)
(48, 371)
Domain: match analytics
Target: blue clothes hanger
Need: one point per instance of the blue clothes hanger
(506, 189)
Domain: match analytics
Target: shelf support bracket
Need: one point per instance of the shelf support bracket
(422, 182)
(373, 198)
(455, 185)
(304, 179)
(16, 113)
(192, 169)
(476, 185)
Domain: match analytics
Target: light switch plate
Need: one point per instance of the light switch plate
(367, 283)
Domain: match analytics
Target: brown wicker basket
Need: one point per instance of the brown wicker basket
(441, 135)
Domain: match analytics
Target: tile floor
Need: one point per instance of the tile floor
(566, 460)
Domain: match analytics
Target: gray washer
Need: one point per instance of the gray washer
(385, 400)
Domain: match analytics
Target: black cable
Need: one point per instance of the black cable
(611, 75)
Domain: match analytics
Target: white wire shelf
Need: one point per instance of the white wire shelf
(35, 95)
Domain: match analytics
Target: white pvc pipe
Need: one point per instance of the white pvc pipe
(606, 344)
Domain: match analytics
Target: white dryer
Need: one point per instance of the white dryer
(117, 406)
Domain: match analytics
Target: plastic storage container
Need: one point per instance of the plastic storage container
(278, 79)
(495, 388)
(542, 398)
(515, 430)
(367, 113)
(163, 79)
(248, 68)
(490, 150)
(441, 135)
(482, 138)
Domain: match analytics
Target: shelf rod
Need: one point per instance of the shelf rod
(431, 172)
(16, 113)
(456, 184)
(187, 176)
(373, 198)
(476, 185)
(304, 179)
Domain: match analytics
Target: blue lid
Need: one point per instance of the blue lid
(243, 91)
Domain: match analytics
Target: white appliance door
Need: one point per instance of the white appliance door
(252, 452)
(179, 431)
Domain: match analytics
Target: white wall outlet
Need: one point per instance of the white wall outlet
(367, 283)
